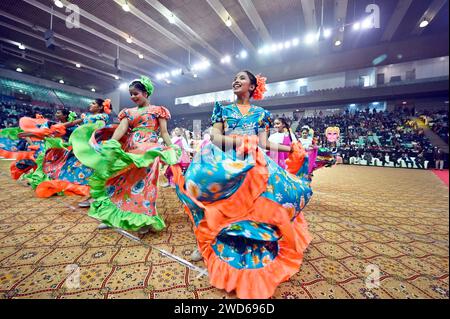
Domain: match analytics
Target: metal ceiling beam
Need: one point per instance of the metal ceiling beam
(251, 12)
(224, 15)
(340, 13)
(396, 19)
(193, 36)
(429, 14)
(71, 63)
(155, 25)
(309, 13)
(128, 67)
(99, 34)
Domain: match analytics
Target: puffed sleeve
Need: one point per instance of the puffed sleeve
(265, 121)
(125, 113)
(216, 116)
(162, 112)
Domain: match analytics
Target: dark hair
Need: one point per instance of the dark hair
(138, 85)
(286, 125)
(253, 80)
(64, 112)
(100, 103)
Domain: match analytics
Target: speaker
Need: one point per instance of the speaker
(50, 42)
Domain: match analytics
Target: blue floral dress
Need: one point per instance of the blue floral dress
(247, 210)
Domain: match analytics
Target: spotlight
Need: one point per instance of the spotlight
(327, 33)
(195, 75)
(159, 76)
(78, 65)
(424, 23)
(353, 105)
(287, 44)
(176, 72)
(19, 70)
(141, 56)
(375, 103)
(61, 81)
(310, 38)
(243, 54)
(337, 43)
(367, 23)
(116, 77)
(93, 90)
(171, 18)
(295, 42)
(273, 48)
(261, 51)
(357, 26)
(129, 40)
(228, 23)
(123, 86)
(280, 46)
(404, 102)
(59, 4)
(21, 46)
(225, 59)
(168, 81)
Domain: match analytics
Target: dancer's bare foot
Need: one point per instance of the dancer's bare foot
(196, 256)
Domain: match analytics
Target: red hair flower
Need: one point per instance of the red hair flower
(258, 93)
(107, 106)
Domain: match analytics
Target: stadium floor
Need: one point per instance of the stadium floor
(361, 218)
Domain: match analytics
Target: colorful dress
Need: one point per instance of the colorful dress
(124, 183)
(283, 139)
(59, 171)
(246, 210)
(185, 158)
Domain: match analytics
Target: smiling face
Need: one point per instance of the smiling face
(241, 85)
(178, 132)
(278, 125)
(332, 134)
(305, 134)
(138, 97)
(94, 107)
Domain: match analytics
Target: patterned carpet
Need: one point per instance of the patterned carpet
(363, 219)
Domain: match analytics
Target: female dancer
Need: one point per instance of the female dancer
(124, 183)
(246, 210)
(283, 136)
(179, 139)
(58, 168)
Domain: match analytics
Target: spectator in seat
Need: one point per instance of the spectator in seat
(439, 159)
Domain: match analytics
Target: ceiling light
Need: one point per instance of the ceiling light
(243, 54)
(93, 90)
(129, 40)
(404, 102)
(424, 23)
(375, 103)
(273, 47)
(225, 59)
(353, 105)
(195, 75)
(295, 42)
(280, 46)
(21, 46)
(176, 72)
(327, 33)
(19, 70)
(356, 26)
(337, 43)
(171, 18)
(61, 81)
(141, 56)
(228, 22)
(168, 81)
(123, 86)
(367, 23)
(287, 44)
(59, 4)
(78, 65)
(116, 77)
(309, 38)
(126, 7)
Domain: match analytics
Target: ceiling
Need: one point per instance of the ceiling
(199, 32)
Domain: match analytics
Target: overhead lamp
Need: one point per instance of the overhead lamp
(310, 38)
(225, 59)
(295, 42)
(168, 81)
(195, 75)
(93, 90)
(171, 18)
(126, 7)
(424, 23)
(61, 81)
(78, 65)
(280, 46)
(176, 72)
(116, 77)
(59, 4)
(327, 33)
(337, 43)
(243, 54)
(21, 46)
(123, 86)
(129, 40)
(19, 70)
(367, 23)
(356, 26)
(228, 22)
(287, 44)
(141, 56)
